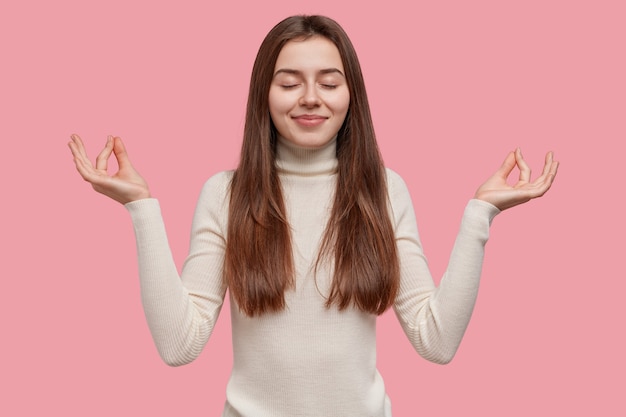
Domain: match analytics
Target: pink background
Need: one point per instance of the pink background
(454, 85)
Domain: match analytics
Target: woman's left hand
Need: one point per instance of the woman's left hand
(498, 192)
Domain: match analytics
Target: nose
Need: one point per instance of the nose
(310, 98)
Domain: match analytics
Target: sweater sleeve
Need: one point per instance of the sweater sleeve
(435, 318)
(181, 311)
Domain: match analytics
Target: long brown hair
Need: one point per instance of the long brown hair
(359, 237)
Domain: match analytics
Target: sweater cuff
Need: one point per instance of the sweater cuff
(144, 212)
(481, 209)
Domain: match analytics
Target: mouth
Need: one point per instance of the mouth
(309, 120)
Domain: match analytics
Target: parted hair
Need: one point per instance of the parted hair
(359, 237)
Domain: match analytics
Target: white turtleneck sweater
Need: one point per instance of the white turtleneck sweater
(306, 360)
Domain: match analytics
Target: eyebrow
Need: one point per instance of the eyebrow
(297, 72)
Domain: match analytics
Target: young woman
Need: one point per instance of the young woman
(312, 237)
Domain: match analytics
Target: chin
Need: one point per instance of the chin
(310, 142)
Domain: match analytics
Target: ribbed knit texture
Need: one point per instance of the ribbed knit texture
(306, 360)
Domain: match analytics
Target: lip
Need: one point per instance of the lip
(309, 120)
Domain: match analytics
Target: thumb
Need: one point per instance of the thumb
(507, 166)
(120, 153)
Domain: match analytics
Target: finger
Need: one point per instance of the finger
(80, 146)
(79, 154)
(549, 177)
(103, 158)
(547, 166)
(524, 169)
(507, 166)
(554, 169)
(549, 171)
(554, 165)
(85, 169)
(120, 153)
(542, 188)
(543, 183)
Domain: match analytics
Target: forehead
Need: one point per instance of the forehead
(312, 54)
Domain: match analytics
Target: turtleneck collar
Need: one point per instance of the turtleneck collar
(299, 160)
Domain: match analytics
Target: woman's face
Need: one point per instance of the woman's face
(309, 96)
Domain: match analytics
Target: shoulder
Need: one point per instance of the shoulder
(400, 202)
(396, 187)
(218, 185)
(215, 192)
(219, 181)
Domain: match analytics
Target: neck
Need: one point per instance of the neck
(300, 160)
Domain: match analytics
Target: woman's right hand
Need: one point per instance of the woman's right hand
(124, 186)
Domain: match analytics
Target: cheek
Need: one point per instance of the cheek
(278, 109)
(279, 101)
(273, 102)
(341, 104)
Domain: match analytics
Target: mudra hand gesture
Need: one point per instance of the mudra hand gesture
(124, 186)
(498, 192)
(127, 185)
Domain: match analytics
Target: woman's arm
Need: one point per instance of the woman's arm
(435, 318)
(181, 311)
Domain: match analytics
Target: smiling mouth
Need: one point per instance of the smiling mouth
(309, 120)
